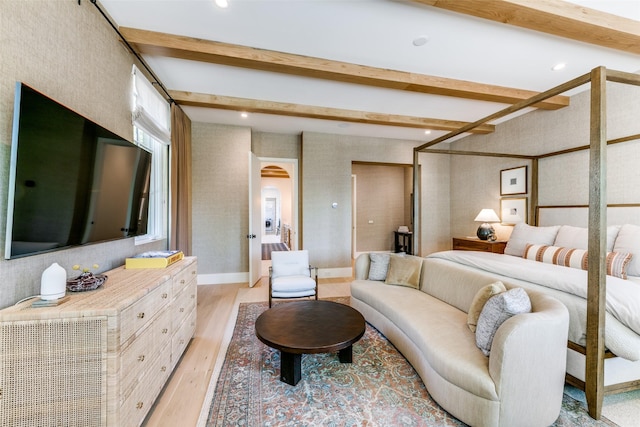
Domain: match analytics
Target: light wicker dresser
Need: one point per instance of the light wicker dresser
(100, 358)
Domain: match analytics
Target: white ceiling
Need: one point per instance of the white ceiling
(376, 33)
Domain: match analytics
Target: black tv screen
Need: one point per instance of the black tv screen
(71, 181)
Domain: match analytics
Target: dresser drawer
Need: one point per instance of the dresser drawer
(140, 354)
(182, 337)
(136, 316)
(135, 407)
(471, 244)
(184, 303)
(185, 276)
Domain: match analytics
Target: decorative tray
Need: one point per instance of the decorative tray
(86, 282)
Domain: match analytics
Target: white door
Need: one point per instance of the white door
(255, 226)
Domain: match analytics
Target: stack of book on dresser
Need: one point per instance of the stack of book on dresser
(154, 259)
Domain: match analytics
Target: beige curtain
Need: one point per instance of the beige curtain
(180, 180)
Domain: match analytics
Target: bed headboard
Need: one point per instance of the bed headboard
(578, 215)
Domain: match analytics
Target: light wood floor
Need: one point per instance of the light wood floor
(181, 401)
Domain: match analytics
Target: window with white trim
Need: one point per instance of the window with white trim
(151, 130)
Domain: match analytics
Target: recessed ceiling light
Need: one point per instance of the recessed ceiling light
(222, 3)
(420, 41)
(427, 132)
(559, 66)
(343, 125)
(244, 115)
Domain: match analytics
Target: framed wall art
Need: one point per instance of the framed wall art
(513, 181)
(513, 210)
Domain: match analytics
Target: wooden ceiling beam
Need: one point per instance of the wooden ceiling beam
(556, 17)
(325, 113)
(175, 46)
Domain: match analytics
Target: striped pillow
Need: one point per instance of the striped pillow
(616, 262)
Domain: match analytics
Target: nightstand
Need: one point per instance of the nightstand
(475, 244)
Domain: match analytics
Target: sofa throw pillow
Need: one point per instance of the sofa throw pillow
(404, 270)
(616, 262)
(496, 311)
(523, 233)
(378, 266)
(479, 300)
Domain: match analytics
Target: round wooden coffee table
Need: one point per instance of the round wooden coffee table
(308, 327)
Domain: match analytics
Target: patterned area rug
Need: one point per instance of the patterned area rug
(380, 388)
(267, 248)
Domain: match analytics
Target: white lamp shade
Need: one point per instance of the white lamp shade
(487, 215)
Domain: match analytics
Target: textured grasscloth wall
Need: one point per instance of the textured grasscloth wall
(69, 52)
(266, 144)
(326, 178)
(380, 198)
(475, 181)
(220, 197)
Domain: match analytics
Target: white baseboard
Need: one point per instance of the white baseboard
(217, 279)
(335, 272)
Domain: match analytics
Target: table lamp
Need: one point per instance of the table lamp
(485, 217)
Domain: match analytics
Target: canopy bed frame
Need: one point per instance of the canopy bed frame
(594, 350)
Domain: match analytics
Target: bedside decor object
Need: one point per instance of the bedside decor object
(513, 211)
(154, 259)
(87, 281)
(52, 282)
(513, 181)
(485, 217)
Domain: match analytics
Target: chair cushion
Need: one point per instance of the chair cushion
(293, 284)
(293, 294)
(290, 263)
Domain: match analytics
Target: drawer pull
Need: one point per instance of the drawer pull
(139, 405)
(193, 272)
(141, 358)
(182, 282)
(141, 315)
(165, 330)
(163, 369)
(181, 342)
(181, 309)
(164, 296)
(193, 296)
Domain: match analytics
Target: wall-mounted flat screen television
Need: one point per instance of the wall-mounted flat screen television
(71, 182)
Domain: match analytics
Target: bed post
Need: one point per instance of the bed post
(417, 207)
(596, 282)
(533, 206)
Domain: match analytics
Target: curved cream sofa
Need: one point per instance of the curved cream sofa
(519, 384)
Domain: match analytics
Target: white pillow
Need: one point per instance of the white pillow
(524, 234)
(379, 266)
(578, 237)
(628, 240)
(496, 311)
